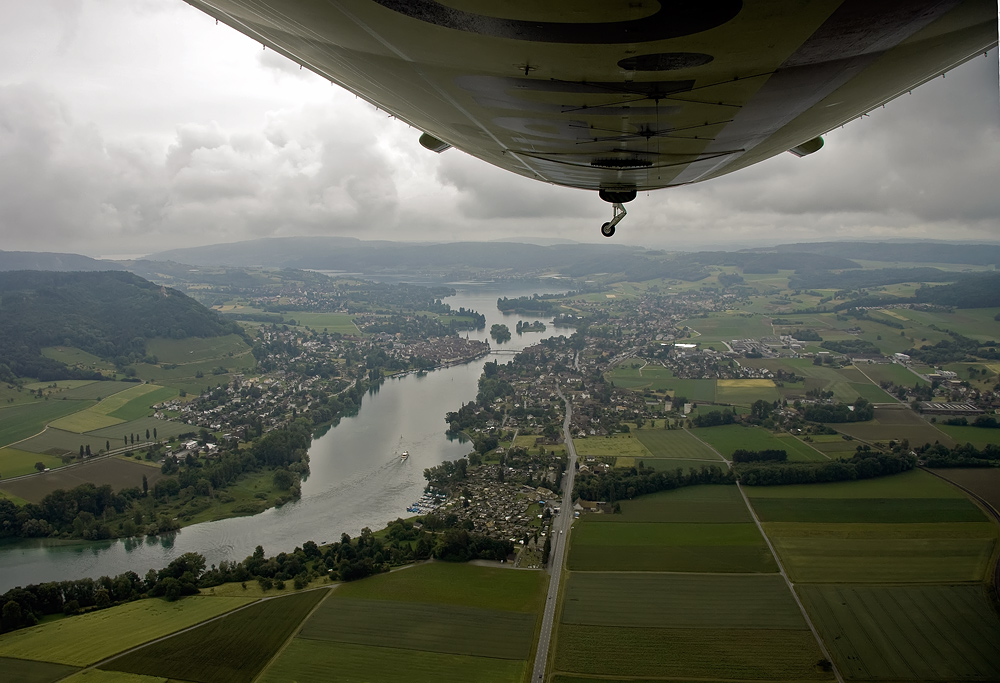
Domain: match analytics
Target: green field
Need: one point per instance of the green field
(73, 356)
(728, 326)
(977, 323)
(888, 555)
(96, 390)
(743, 392)
(164, 430)
(983, 482)
(455, 584)
(729, 438)
(619, 445)
(895, 423)
(977, 436)
(679, 601)
(229, 650)
(18, 422)
(891, 372)
(139, 406)
(14, 463)
(331, 322)
(194, 349)
(705, 504)
(98, 676)
(886, 510)
(669, 547)
(675, 443)
(734, 654)
(89, 638)
(116, 472)
(913, 484)
(918, 633)
(312, 661)
(449, 629)
(58, 442)
(130, 402)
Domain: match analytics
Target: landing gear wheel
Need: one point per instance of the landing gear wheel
(608, 229)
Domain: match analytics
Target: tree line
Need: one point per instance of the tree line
(865, 464)
(622, 484)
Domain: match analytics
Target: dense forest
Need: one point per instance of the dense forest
(109, 314)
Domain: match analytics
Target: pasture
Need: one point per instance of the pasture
(675, 443)
(702, 504)
(669, 547)
(331, 322)
(89, 638)
(72, 356)
(139, 406)
(14, 463)
(977, 323)
(18, 422)
(614, 445)
(312, 661)
(229, 650)
(638, 374)
(98, 676)
(449, 629)
(447, 583)
(131, 403)
(908, 632)
(891, 372)
(679, 601)
(117, 472)
(693, 653)
(728, 326)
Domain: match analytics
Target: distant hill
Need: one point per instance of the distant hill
(349, 254)
(108, 314)
(41, 260)
(906, 252)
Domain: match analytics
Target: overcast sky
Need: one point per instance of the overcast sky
(128, 126)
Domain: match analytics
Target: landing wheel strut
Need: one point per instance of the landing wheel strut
(608, 229)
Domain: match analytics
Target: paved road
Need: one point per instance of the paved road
(560, 537)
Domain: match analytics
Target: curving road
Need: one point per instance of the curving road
(560, 537)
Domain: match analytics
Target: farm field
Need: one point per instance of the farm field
(833, 445)
(744, 392)
(131, 403)
(620, 445)
(913, 484)
(233, 649)
(728, 326)
(117, 472)
(669, 547)
(740, 654)
(194, 349)
(311, 661)
(983, 482)
(891, 372)
(728, 438)
(98, 676)
(977, 323)
(58, 442)
(26, 671)
(679, 601)
(18, 422)
(96, 390)
(671, 464)
(977, 436)
(900, 633)
(14, 463)
(448, 629)
(878, 553)
(455, 584)
(674, 443)
(164, 430)
(72, 356)
(885, 510)
(895, 423)
(89, 638)
(705, 504)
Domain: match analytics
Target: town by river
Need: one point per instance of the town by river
(356, 477)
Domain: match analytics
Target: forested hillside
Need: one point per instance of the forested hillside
(108, 314)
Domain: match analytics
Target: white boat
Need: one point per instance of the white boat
(404, 455)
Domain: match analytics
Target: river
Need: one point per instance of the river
(356, 477)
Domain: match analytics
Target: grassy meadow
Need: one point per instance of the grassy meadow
(18, 422)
